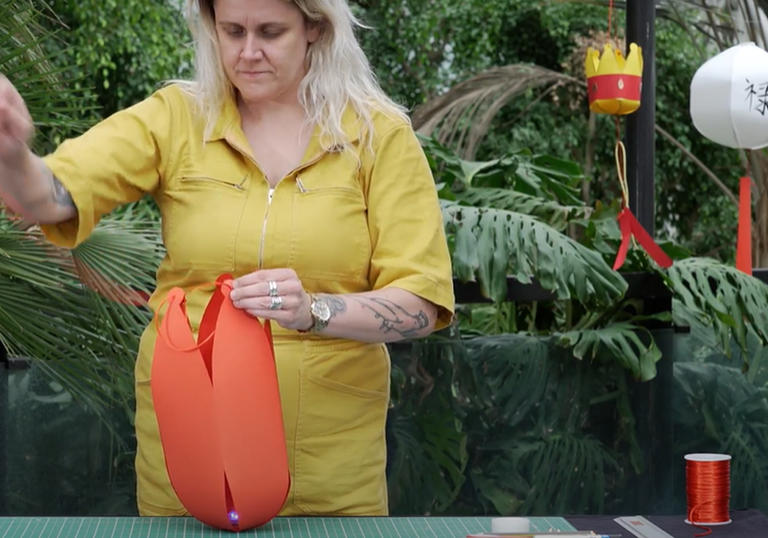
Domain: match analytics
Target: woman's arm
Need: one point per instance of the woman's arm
(385, 315)
(27, 186)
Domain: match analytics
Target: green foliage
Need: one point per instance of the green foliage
(731, 302)
(47, 89)
(490, 243)
(688, 204)
(525, 418)
(123, 49)
(720, 410)
(419, 48)
(90, 472)
(82, 340)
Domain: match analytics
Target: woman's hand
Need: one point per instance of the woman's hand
(16, 125)
(273, 294)
(16, 129)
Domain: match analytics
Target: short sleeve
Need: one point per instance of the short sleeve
(115, 162)
(409, 249)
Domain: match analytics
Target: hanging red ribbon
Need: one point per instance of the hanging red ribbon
(744, 241)
(630, 227)
(628, 224)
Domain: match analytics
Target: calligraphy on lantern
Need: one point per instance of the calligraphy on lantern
(757, 96)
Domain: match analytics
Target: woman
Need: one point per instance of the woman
(285, 165)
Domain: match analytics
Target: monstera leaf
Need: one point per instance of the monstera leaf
(490, 243)
(549, 212)
(730, 301)
(626, 342)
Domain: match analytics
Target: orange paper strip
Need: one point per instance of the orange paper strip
(219, 415)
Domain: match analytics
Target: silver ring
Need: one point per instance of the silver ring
(272, 288)
(276, 303)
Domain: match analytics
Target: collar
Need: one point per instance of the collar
(229, 128)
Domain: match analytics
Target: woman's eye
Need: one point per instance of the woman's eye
(271, 32)
(234, 31)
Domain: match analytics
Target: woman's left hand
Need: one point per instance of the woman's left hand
(273, 294)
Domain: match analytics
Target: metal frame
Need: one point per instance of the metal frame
(640, 132)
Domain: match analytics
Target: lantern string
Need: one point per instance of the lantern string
(610, 22)
(748, 162)
(620, 154)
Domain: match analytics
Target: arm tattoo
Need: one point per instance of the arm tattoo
(59, 193)
(394, 317)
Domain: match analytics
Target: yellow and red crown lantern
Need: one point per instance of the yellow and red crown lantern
(614, 83)
(614, 86)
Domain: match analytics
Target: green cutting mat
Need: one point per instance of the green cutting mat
(281, 527)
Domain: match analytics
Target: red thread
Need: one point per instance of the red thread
(610, 16)
(708, 485)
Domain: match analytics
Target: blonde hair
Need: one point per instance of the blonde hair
(339, 74)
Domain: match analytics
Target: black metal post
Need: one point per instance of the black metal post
(640, 134)
(654, 427)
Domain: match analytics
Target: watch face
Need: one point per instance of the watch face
(321, 310)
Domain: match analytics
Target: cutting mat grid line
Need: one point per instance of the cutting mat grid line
(281, 527)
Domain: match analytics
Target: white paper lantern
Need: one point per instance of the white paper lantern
(729, 97)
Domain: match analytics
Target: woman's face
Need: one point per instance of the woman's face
(263, 46)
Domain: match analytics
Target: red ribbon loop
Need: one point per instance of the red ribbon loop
(629, 227)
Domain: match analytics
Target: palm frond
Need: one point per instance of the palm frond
(84, 340)
(462, 116)
(28, 54)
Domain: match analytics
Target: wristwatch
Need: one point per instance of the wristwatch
(321, 313)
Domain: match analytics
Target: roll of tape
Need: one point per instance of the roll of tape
(510, 524)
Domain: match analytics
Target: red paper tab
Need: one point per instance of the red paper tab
(744, 241)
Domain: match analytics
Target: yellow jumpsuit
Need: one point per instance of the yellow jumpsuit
(345, 223)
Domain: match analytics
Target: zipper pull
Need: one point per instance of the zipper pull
(300, 185)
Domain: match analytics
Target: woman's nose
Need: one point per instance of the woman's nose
(252, 48)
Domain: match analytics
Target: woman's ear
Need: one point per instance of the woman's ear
(314, 29)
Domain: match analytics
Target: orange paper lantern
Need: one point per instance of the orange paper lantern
(219, 414)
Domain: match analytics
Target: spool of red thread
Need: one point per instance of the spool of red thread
(708, 485)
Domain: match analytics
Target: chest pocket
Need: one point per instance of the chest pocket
(201, 218)
(329, 233)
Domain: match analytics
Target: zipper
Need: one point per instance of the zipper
(238, 186)
(270, 196)
(271, 191)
